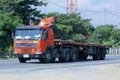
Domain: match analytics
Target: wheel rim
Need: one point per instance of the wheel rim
(67, 57)
(98, 56)
(48, 57)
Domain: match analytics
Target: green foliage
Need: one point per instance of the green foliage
(116, 35)
(101, 34)
(8, 22)
(77, 37)
(26, 8)
(7, 6)
(71, 26)
(22, 8)
(88, 26)
(9, 51)
(106, 34)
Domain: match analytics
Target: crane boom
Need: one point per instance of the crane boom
(47, 22)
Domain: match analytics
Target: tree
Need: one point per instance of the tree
(8, 22)
(88, 26)
(116, 36)
(70, 26)
(22, 8)
(8, 6)
(102, 34)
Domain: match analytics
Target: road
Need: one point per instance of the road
(14, 65)
(108, 69)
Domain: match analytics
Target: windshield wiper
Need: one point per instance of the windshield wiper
(26, 44)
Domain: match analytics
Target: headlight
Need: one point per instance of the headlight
(38, 51)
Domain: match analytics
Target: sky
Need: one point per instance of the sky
(100, 11)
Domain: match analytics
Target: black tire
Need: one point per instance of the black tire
(65, 56)
(73, 55)
(54, 54)
(47, 57)
(94, 57)
(85, 57)
(22, 60)
(103, 54)
(97, 56)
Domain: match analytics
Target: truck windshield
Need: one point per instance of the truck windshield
(28, 34)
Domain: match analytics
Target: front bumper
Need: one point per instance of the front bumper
(29, 56)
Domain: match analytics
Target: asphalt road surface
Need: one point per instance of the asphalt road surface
(108, 69)
(14, 65)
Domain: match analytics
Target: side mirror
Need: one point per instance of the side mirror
(45, 35)
(12, 35)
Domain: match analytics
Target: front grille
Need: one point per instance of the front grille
(26, 44)
(26, 50)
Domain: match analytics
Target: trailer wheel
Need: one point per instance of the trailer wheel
(22, 60)
(103, 55)
(73, 55)
(65, 55)
(97, 56)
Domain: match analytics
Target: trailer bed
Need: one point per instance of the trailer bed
(78, 43)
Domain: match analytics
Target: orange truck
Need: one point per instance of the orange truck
(37, 42)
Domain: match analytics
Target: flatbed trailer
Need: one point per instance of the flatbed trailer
(81, 50)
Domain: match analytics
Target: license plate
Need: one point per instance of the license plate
(26, 55)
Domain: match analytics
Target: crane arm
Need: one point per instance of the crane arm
(47, 22)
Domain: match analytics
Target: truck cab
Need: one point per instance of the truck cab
(30, 42)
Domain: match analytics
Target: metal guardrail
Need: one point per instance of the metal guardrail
(114, 51)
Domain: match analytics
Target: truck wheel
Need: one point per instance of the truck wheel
(73, 55)
(22, 60)
(54, 55)
(65, 55)
(47, 57)
(96, 56)
(85, 57)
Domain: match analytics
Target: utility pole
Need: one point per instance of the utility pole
(71, 6)
(104, 16)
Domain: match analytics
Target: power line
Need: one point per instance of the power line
(114, 14)
(87, 11)
(56, 4)
(93, 11)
